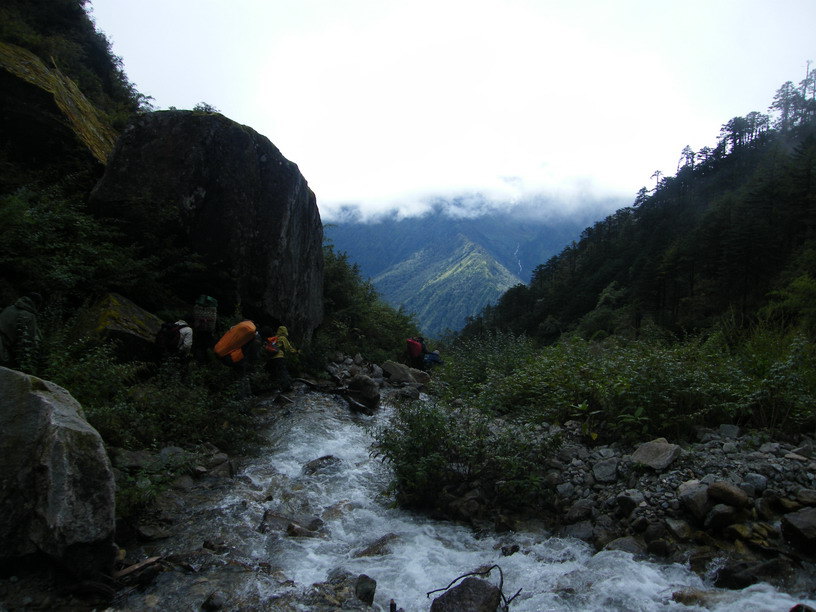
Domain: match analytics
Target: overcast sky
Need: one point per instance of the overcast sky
(385, 103)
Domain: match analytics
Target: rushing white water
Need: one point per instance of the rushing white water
(421, 554)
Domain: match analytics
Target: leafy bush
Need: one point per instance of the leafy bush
(433, 449)
(89, 370)
(473, 362)
(635, 389)
(783, 390)
(49, 243)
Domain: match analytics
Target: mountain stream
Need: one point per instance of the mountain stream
(257, 566)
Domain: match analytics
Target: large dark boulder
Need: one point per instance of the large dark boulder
(218, 191)
(472, 594)
(56, 482)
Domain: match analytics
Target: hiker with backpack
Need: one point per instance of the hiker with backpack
(205, 315)
(20, 337)
(416, 352)
(174, 341)
(277, 347)
(239, 349)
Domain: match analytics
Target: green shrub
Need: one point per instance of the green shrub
(472, 363)
(141, 405)
(89, 370)
(48, 242)
(615, 388)
(433, 448)
(783, 390)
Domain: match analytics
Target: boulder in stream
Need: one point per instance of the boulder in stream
(472, 594)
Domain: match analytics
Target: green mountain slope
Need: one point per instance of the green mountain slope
(446, 268)
(443, 287)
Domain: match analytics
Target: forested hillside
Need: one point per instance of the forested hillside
(731, 232)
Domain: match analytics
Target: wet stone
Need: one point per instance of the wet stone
(215, 601)
(628, 544)
(727, 493)
(806, 497)
(582, 530)
(365, 588)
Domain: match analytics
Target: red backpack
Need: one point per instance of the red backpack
(271, 345)
(414, 348)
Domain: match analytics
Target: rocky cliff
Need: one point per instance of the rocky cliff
(225, 195)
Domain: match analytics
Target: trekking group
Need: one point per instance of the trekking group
(241, 348)
(178, 342)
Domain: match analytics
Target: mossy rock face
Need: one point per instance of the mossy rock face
(80, 114)
(114, 317)
(48, 129)
(223, 194)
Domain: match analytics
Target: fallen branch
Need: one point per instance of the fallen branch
(135, 567)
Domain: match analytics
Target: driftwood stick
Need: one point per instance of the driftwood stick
(135, 567)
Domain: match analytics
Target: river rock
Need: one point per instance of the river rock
(806, 497)
(757, 481)
(410, 392)
(473, 595)
(606, 470)
(720, 516)
(380, 546)
(727, 493)
(56, 481)
(365, 588)
(215, 601)
(693, 496)
(579, 511)
(294, 530)
(629, 500)
(327, 463)
(657, 454)
(227, 195)
(679, 528)
(742, 574)
(799, 529)
(401, 373)
(628, 544)
(367, 391)
(583, 530)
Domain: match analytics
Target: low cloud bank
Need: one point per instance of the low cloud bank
(540, 207)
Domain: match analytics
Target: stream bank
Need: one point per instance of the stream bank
(299, 526)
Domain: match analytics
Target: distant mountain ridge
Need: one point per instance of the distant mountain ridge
(444, 268)
(441, 285)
